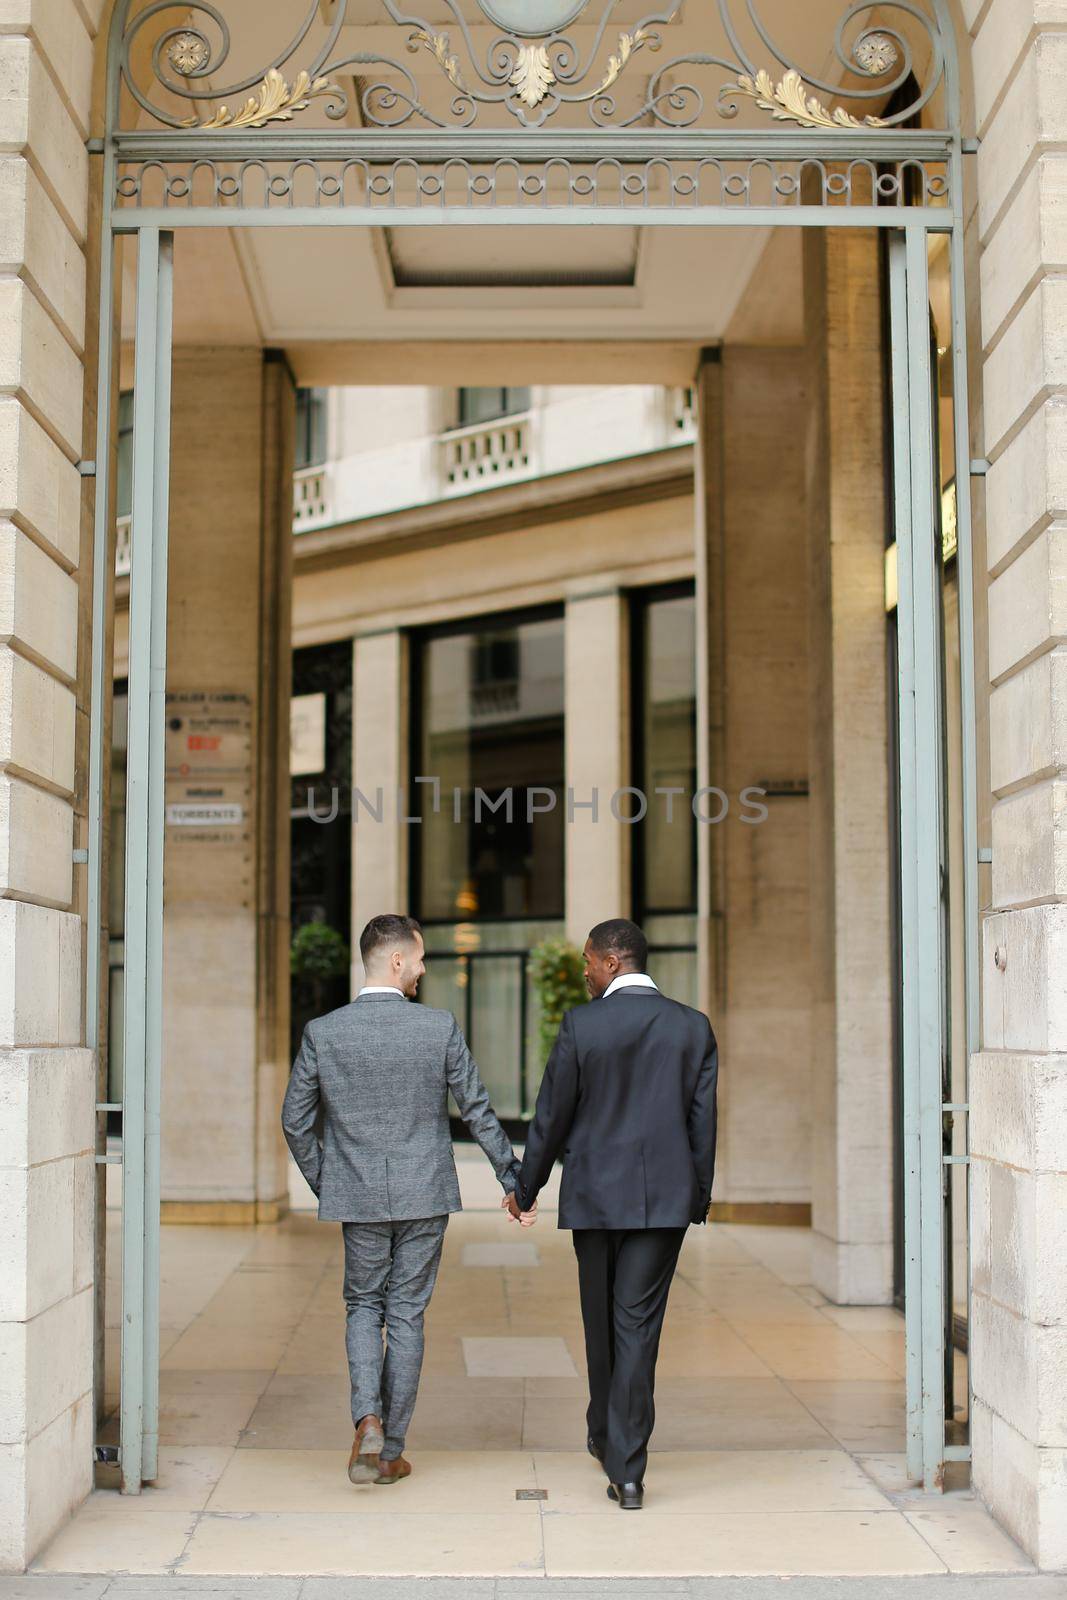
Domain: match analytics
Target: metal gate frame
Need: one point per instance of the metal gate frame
(924, 955)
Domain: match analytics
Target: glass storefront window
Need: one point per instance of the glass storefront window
(487, 863)
(320, 852)
(663, 633)
(488, 706)
(479, 973)
(664, 685)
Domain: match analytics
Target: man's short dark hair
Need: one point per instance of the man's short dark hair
(388, 929)
(623, 938)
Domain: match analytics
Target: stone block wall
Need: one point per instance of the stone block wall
(1019, 1080)
(47, 1085)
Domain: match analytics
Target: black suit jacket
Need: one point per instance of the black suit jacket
(628, 1100)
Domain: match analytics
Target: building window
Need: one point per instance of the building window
(663, 636)
(310, 449)
(476, 406)
(488, 704)
(487, 862)
(664, 757)
(320, 773)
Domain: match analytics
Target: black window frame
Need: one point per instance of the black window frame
(510, 403)
(417, 640)
(639, 602)
(310, 440)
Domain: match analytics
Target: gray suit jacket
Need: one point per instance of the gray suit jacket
(380, 1069)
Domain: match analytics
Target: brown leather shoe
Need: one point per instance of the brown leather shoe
(366, 1448)
(393, 1471)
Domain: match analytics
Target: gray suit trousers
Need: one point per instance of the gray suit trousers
(390, 1272)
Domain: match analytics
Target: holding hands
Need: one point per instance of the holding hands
(525, 1219)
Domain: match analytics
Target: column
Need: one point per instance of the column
(226, 884)
(710, 571)
(273, 873)
(1018, 1090)
(380, 836)
(596, 759)
(762, 698)
(850, 862)
(47, 1078)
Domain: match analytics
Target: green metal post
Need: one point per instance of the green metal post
(156, 820)
(923, 952)
(902, 443)
(144, 872)
(929, 953)
(968, 694)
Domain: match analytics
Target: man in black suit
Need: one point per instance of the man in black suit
(628, 1099)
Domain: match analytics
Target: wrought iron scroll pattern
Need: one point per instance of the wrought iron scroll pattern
(674, 183)
(881, 46)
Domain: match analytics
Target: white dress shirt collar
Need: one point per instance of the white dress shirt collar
(628, 980)
(381, 988)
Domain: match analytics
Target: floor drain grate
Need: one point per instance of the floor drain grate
(531, 1494)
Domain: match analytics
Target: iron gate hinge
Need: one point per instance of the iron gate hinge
(985, 855)
(970, 147)
(87, 469)
(95, 147)
(81, 855)
(979, 467)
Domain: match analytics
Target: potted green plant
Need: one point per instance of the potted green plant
(317, 955)
(558, 974)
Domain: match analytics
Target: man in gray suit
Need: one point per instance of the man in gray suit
(379, 1071)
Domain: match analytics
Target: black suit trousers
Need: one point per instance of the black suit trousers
(624, 1277)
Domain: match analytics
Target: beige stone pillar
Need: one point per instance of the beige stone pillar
(47, 1080)
(1018, 1090)
(596, 746)
(380, 835)
(762, 696)
(710, 569)
(851, 866)
(226, 888)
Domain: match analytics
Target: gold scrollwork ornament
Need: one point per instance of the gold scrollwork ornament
(789, 101)
(274, 101)
(533, 76)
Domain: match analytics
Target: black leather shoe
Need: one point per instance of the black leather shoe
(595, 1450)
(630, 1496)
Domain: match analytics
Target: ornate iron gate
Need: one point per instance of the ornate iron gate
(541, 121)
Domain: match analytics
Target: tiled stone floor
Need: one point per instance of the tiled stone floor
(778, 1446)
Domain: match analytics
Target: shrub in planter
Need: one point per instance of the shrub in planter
(558, 974)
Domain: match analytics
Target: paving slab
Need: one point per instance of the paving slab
(945, 1586)
(210, 1588)
(31, 1587)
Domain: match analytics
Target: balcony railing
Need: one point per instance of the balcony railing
(122, 547)
(486, 454)
(311, 498)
